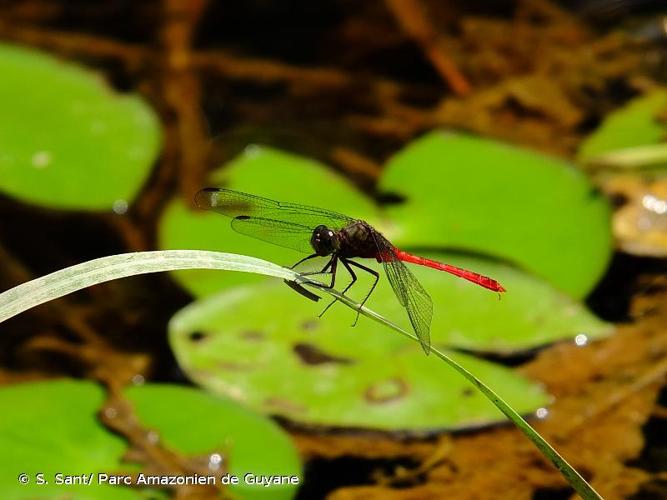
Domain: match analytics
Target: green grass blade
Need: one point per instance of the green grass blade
(577, 482)
(71, 279)
(637, 157)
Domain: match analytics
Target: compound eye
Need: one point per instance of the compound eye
(322, 240)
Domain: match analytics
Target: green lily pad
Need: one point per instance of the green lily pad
(531, 314)
(62, 130)
(536, 211)
(263, 344)
(196, 423)
(266, 172)
(635, 124)
(51, 427)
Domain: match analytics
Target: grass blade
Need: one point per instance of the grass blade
(577, 482)
(74, 278)
(93, 272)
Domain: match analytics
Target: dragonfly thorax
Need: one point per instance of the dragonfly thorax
(324, 241)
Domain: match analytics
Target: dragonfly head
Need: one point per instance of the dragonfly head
(324, 241)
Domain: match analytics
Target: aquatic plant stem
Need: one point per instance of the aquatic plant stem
(579, 484)
(74, 278)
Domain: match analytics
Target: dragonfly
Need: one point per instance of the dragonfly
(323, 233)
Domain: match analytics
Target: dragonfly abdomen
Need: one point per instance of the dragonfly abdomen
(478, 279)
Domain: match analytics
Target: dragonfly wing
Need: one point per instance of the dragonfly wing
(409, 291)
(234, 204)
(294, 236)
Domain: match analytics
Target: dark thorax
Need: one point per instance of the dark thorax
(356, 240)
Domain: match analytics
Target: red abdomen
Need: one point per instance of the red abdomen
(476, 278)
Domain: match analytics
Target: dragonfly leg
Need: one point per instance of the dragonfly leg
(331, 264)
(304, 260)
(377, 278)
(300, 289)
(354, 279)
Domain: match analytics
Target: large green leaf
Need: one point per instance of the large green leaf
(196, 423)
(263, 344)
(635, 124)
(67, 140)
(531, 314)
(51, 427)
(536, 211)
(266, 172)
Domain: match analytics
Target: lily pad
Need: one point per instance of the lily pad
(266, 172)
(530, 315)
(196, 423)
(263, 344)
(463, 192)
(64, 130)
(51, 427)
(635, 124)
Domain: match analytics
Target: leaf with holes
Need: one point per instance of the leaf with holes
(264, 345)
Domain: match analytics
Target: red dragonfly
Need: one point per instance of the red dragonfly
(323, 233)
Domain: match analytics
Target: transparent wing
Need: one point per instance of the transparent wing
(408, 290)
(294, 236)
(234, 204)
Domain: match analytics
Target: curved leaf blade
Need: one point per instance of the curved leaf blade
(74, 278)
